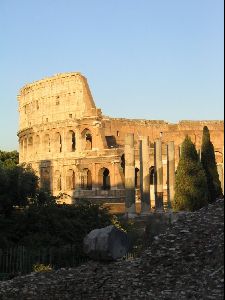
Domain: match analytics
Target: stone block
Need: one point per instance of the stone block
(107, 244)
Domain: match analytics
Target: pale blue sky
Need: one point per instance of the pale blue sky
(150, 59)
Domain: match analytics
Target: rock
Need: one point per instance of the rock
(108, 243)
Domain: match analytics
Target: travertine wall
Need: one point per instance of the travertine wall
(78, 151)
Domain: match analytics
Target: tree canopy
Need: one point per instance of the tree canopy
(9, 159)
(191, 192)
(209, 164)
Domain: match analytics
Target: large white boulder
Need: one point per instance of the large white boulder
(108, 243)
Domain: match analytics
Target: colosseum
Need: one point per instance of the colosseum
(79, 153)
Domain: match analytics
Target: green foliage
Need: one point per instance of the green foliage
(46, 226)
(31, 217)
(43, 198)
(115, 221)
(209, 164)
(18, 184)
(42, 268)
(9, 159)
(191, 192)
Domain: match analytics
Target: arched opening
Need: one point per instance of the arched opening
(70, 180)
(137, 178)
(86, 179)
(46, 143)
(45, 179)
(87, 139)
(104, 179)
(58, 181)
(71, 141)
(57, 142)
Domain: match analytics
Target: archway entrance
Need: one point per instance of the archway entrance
(71, 141)
(86, 180)
(87, 139)
(104, 179)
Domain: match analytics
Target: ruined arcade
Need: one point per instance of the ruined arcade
(82, 154)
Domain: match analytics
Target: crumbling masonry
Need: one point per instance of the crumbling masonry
(81, 154)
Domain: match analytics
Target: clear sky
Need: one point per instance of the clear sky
(148, 59)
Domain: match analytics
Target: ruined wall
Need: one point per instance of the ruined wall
(77, 151)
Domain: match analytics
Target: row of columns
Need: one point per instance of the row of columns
(145, 176)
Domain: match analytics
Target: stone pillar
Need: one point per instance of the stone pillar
(158, 176)
(63, 141)
(170, 173)
(78, 141)
(130, 207)
(144, 175)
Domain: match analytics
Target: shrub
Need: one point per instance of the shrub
(191, 192)
(209, 164)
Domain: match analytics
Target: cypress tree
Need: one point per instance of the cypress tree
(209, 164)
(191, 191)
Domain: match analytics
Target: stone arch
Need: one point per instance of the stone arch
(45, 178)
(87, 139)
(57, 142)
(57, 181)
(86, 179)
(46, 143)
(71, 141)
(104, 179)
(70, 179)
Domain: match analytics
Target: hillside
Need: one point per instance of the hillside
(185, 262)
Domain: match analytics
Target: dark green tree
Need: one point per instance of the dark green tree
(18, 186)
(191, 192)
(209, 164)
(23, 184)
(9, 159)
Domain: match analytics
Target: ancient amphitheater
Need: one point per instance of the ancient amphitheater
(79, 152)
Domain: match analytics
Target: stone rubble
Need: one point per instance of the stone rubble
(184, 262)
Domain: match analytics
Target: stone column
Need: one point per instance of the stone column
(158, 176)
(170, 173)
(63, 140)
(130, 207)
(78, 141)
(144, 175)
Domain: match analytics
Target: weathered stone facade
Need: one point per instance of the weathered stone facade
(80, 152)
